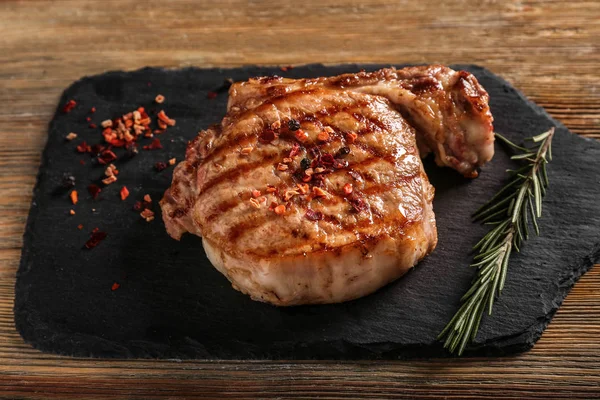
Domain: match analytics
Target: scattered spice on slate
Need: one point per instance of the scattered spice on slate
(159, 99)
(94, 190)
(69, 106)
(115, 286)
(93, 126)
(172, 161)
(286, 68)
(72, 212)
(211, 95)
(71, 136)
(74, 197)
(147, 214)
(154, 145)
(95, 238)
(124, 192)
(83, 147)
(159, 166)
(80, 226)
(88, 119)
(93, 110)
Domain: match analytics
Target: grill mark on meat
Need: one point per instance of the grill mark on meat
(222, 207)
(236, 172)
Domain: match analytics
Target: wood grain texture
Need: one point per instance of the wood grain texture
(548, 49)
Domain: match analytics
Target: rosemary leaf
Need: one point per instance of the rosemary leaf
(509, 211)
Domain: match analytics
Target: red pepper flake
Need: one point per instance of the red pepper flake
(348, 188)
(71, 136)
(280, 209)
(351, 137)
(255, 193)
(83, 147)
(155, 145)
(211, 95)
(267, 136)
(80, 226)
(147, 214)
(159, 99)
(327, 159)
(313, 215)
(98, 148)
(96, 229)
(164, 118)
(124, 192)
(93, 126)
(172, 161)
(94, 190)
(74, 197)
(147, 198)
(300, 135)
(138, 206)
(72, 212)
(95, 238)
(318, 192)
(109, 180)
(358, 204)
(302, 187)
(323, 136)
(69, 106)
(88, 119)
(115, 286)
(295, 150)
(93, 110)
(106, 156)
(286, 68)
(81, 162)
(159, 166)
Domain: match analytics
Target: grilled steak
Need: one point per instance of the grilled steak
(313, 191)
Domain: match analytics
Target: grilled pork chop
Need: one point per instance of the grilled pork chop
(313, 191)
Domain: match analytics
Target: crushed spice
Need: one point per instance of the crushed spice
(154, 145)
(71, 136)
(74, 197)
(280, 209)
(313, 215)
(301, 136)
(124, 193)
(115, 286)
(95, 238)
(147, 214)
(348, 188)
(109, 180)
(172, 161)
(72, 212)
(94, 190)
(160, 166)
(255, 203)
(159, 99)
(351, 137)
(70, 105)
(83, 147)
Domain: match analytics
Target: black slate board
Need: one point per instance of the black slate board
(173, 304)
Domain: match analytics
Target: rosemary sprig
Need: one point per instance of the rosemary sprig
(509, 211)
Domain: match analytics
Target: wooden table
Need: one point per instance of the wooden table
(550, 50)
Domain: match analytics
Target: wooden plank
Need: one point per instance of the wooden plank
(548, 49)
